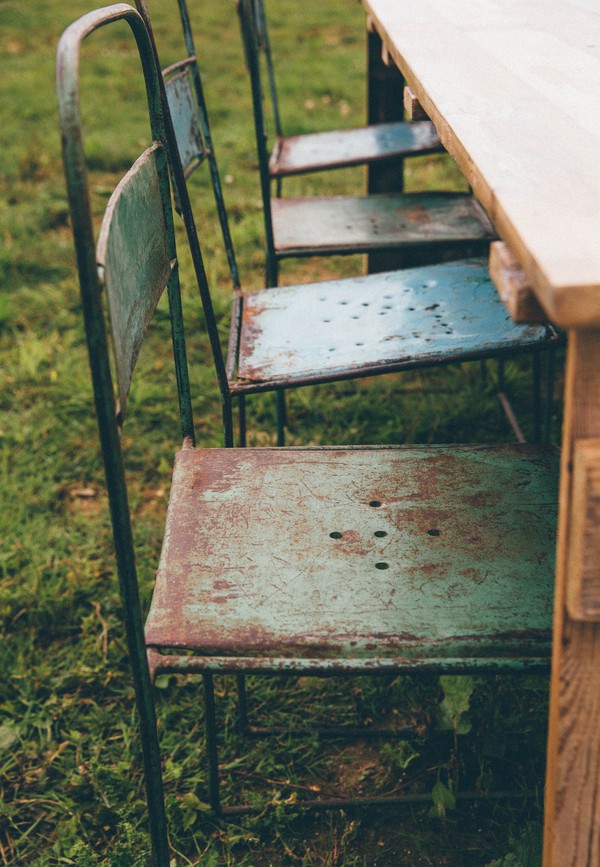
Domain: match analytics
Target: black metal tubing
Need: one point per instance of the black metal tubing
(243, 387)
(250, 35)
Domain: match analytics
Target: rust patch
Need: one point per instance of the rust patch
(473, 575)
(250, 332)
(351, 542)
(417, 214)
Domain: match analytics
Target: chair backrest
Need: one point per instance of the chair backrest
(135, 257)
(134, 260)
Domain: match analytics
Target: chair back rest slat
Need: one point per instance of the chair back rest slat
(184, 114)
(135, 260)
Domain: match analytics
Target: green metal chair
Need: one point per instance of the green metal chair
(284, 337)
(342, 560)
(439, 225)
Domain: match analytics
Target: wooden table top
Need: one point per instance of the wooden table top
(513, 87)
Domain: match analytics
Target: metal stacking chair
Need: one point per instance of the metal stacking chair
(438, 222)
(301, 560)
(283, 337)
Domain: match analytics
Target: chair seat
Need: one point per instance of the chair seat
(358, 224)
(423, 552)
(390, 321)
(311, 152)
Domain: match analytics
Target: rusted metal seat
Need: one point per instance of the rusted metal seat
(402, 557)
(322, 226)
(320, 560)
(320, 332)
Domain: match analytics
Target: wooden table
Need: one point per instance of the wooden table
(513, 87)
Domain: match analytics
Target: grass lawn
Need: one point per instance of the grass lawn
(70, 773)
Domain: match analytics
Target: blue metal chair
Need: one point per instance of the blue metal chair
(301, 560)
(282, 338)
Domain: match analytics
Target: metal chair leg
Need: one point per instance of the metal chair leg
(506, 405)
(152, 768)
(500, 364)
(281, 418)
(536, 371)
(227, 423)
(214, 795)
(271, 271)
(242, 419)
(242, 704)
(550, 371)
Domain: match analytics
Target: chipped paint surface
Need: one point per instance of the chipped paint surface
(184, 115)
(134, 255)
(363, 223)
(383, 321)
(313, 151)
(423, 552)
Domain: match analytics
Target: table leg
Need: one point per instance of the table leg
(572, 812)
(385, 88)
(385, 103)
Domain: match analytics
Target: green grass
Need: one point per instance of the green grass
(70, 774)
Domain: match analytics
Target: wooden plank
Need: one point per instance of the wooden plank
(583, 587)
(412, 107)
(512, 90)
(572, 820)
(514, 286)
